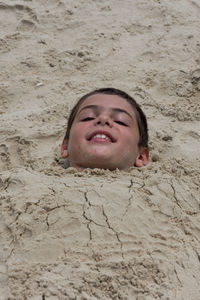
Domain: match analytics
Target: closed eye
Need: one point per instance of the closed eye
(87, 119)
(121, 123)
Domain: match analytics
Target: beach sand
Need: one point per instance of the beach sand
(98, 234)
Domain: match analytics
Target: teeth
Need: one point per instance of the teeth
(101, 136)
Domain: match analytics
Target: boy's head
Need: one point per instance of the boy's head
(106, 129)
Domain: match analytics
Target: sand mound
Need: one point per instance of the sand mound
(99, 234)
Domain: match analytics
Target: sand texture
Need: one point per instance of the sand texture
(131, 235)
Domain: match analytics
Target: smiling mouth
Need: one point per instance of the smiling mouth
(101, 137)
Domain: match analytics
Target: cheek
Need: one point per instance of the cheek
(77, 137)
(74, 147)
(131, 140)
(76, 132)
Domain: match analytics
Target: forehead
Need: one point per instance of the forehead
(108, 102)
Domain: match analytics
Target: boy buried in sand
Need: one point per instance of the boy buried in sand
(106, 129)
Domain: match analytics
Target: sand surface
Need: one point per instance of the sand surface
(99, 234)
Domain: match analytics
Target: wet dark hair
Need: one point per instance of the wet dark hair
(140, 116)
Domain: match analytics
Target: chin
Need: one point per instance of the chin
(104, 167)
(100, 163)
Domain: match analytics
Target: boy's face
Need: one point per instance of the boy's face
(104, 135)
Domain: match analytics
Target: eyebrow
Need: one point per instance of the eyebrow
(114, 109)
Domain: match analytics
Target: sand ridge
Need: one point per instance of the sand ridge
(98, 234)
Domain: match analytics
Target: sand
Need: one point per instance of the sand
(131, 235)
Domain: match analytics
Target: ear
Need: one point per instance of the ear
(143, 158)
(64, 146)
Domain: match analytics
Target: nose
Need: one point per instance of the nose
(104, 120)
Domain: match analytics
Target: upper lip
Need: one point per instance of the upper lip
(108, 134)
